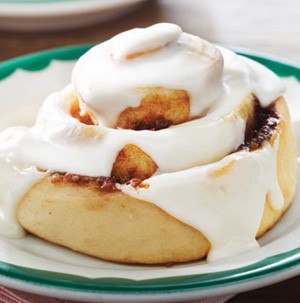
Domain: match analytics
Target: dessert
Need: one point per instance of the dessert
(164, 148)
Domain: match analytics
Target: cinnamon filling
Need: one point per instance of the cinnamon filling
(159, 123)
(107, 184)
(76, 113)
(265, 123)
(138, 54)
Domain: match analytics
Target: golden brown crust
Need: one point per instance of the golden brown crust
(132, 162)
(116, 227)
(159, 108)
(111, 226)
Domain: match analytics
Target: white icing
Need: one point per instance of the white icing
(142, 40)
(50, 144)
(222, 207)
(58, 141)
(217, 81)
(109, 86)
(14, 184)
(263, 86)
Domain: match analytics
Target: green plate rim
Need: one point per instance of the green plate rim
(267, 267)
(41, 60)
(258, 270)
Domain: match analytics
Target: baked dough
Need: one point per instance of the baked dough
(113, 226)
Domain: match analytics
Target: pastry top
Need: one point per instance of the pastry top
(196, 158)
(111, 76)
(215, 79)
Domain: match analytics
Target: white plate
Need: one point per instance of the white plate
(36, 266)
(60, 14)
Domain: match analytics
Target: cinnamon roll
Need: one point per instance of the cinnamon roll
(164, 148)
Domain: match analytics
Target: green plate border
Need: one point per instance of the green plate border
(280, 68)
(262, 269)
(41, 60)
(259, 270)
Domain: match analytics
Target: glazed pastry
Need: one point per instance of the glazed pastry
(161, 146)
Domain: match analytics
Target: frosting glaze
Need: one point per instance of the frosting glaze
(108, 83)
(58, 141)
(14, 183)
(107, 79)
(205, 196)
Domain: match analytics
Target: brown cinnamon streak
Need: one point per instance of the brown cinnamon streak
(159, 123)
(106, 184)
(265, 123)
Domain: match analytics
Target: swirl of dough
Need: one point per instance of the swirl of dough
(182, 73)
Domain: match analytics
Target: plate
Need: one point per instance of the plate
(36, 266)
(60, 14)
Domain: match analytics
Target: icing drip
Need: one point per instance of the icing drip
(216, 198)
(14, 183)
